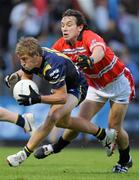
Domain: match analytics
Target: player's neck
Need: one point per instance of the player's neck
(72, 42)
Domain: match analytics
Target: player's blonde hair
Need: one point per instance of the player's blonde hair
(28, 46)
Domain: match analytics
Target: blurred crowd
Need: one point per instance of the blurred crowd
(117, 21)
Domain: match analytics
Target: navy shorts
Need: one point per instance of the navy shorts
(81, 91)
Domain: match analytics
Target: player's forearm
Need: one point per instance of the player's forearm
(98, 54)
(54, 99)
(23, 75)
(19, 72)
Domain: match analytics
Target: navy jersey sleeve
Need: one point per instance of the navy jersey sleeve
(56, 76)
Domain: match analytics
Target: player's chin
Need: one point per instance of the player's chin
(28, 68)
(67, 38)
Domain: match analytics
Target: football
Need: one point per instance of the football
(22, 87)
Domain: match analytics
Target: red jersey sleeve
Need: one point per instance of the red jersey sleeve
(92, 40)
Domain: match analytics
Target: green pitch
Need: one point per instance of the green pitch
(71, 164)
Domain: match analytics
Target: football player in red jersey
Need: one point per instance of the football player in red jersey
(107, 77)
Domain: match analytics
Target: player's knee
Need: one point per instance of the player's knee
(61, 124)
(49, 122)
(59, 121)
(115, 125)
(56, 117)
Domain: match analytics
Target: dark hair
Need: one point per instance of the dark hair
(80, 19)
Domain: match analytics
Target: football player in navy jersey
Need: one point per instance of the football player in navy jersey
(69, 90)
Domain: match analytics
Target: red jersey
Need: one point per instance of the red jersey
(103, 72)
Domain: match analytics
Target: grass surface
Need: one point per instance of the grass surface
(71, 164)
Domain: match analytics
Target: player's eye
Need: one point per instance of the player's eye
(62, 25)
(69, 24)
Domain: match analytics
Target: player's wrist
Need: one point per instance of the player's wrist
(39, 99)
(92, 59)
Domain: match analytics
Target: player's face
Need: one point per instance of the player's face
(28, 62)
(69, 28)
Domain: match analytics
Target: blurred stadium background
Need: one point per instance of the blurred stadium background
(116, 20)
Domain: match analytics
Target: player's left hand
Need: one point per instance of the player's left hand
(84, 62)
(11, 79)
(30, 99)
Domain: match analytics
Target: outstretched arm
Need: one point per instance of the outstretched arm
(97, 54)
(85, 62)
(13, 78)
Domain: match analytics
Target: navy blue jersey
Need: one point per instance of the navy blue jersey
(59, 70)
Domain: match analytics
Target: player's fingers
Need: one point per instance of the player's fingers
(7, 81)
(23, 96)
(20, 100)
(20, 103)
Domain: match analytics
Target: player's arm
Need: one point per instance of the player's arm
(13, 78)
(26, 75)
(59, 96)
(96, 45)
(85, 62)
(23, 74)
(56, 77)
(97, 48)
(97, 54)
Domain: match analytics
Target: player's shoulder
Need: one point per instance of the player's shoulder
(60, 40)
(89, 34)
(59, 44)
(53, 73)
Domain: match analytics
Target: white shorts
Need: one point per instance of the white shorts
(118, 91)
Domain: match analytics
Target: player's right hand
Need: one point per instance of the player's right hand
(30, 99)
(84, 62)
(11, 79)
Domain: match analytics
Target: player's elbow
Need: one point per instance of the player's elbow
(63, 99)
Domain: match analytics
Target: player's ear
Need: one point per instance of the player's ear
(81, 27)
